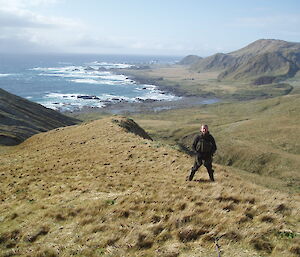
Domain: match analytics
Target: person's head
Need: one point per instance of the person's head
(204, 129)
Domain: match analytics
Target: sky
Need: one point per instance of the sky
(146, 27)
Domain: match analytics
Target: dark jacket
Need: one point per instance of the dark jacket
(208, 138)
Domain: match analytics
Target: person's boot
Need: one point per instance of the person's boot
(211, 175)
(192, 175)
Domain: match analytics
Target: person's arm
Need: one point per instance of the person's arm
(213, 144)
(196, 139)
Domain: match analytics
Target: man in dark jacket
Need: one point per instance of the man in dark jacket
(205, 146)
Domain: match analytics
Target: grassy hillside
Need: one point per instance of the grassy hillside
(260, 137)
(96, 190)
(20, 119)
(183, 81)
(275, 59)
(190, 59)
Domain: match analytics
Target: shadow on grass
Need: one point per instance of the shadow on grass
(201, 180)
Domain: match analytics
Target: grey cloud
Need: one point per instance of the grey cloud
(9, 20)
(18, 45)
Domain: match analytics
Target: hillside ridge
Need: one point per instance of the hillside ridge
(272, 58)
(95, 188)
(20, 119)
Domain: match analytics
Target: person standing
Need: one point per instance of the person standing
(205, 146)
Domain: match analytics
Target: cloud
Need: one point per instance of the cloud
(22, 29)
(17, 4)
(14, 16)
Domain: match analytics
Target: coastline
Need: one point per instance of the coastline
(149, 106)
(126, 108)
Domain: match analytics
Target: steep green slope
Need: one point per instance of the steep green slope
(20, 119)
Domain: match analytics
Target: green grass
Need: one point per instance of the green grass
(260, 137)
(94, 189)
(184, 81)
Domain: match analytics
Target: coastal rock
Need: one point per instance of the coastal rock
(146, 100)
(88, 97)
(102, 69)
(89, 68)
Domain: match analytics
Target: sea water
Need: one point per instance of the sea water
(72, 82)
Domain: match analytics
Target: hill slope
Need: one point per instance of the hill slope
(94, 189)
(20, 119)
(275, 59)
(260, 136)
(190, 59)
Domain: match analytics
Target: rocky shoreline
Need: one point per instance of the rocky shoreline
(126, 108)
(148, 105)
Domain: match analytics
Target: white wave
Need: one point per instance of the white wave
(110, 65)
(62, 96)
(86, 81)
(56, 69)
(68, 102)
(98, 82)
(5, 74)
(69, 75)
(156, 94)
(115, 77)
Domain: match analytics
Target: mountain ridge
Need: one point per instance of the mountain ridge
(276, 59)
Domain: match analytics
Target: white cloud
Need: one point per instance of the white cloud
(34, 32)
(17, 4)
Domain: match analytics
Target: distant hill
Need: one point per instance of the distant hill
(20, 119)
(190, 59)
(263, 61)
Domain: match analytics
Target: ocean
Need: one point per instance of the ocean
(72, 82)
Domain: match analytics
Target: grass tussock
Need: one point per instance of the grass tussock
(59, 197)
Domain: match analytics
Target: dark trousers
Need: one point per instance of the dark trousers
(207, 161)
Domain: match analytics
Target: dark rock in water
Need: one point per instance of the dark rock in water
(55, 103)
(76, 69)
(88, 97)
(146, 100)
(150, 100)
(116, 99)
(144, 67)
(89, 68)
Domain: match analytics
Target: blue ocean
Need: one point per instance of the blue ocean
(72, 82)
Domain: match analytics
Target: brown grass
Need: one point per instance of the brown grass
(96, 190)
